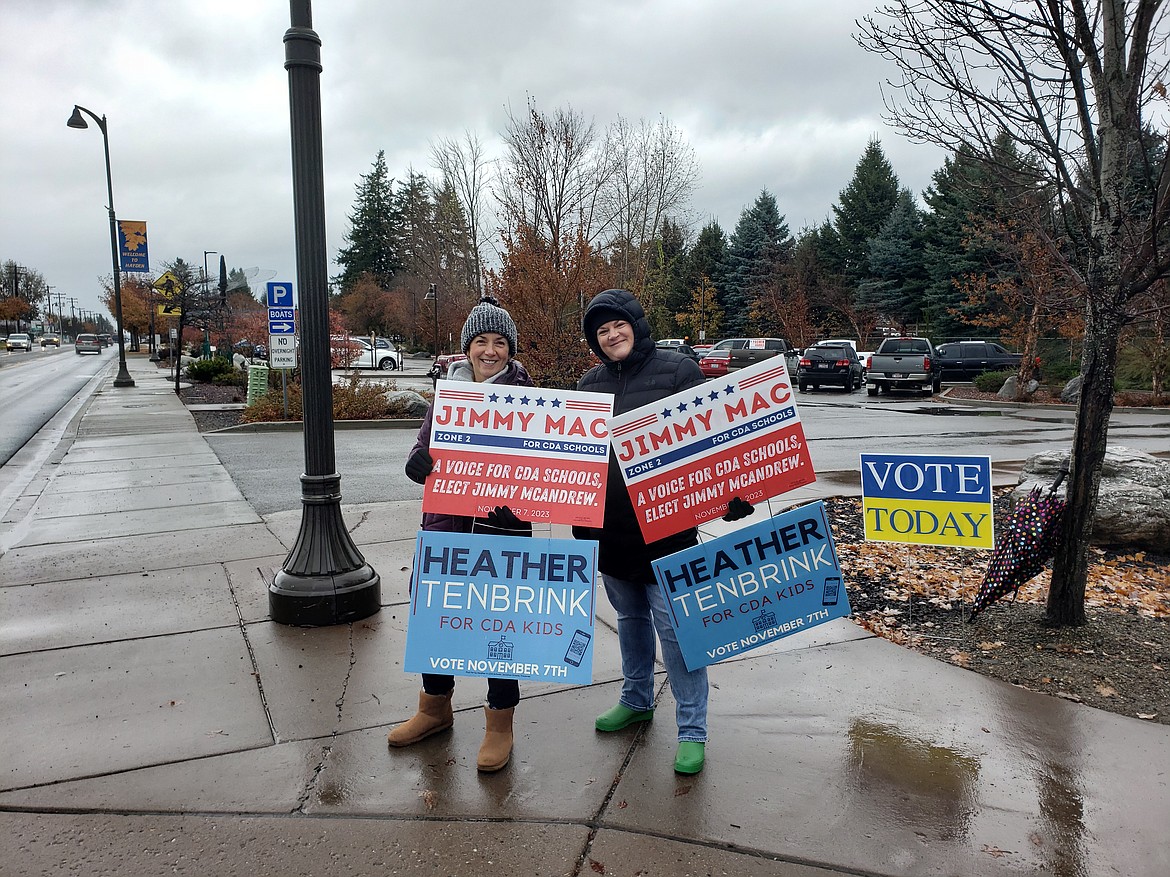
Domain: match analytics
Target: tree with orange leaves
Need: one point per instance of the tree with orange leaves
(546, 295)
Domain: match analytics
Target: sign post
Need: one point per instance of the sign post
(282, 326)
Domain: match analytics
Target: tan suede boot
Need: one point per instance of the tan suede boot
(434, 715)
(496, 749)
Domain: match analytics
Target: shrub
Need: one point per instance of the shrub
(213, 371)
(991, 382)
(270, 406)
(352, 400)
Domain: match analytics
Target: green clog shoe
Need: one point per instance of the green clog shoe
(621, 717)
(690, 757)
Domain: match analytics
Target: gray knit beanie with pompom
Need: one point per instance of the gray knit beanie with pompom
(488, 316)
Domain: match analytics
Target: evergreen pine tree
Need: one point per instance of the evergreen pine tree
(897, 269)
(370, 247)
(865, 204)
(759, 248)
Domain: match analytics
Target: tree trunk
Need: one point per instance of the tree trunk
(1070, 567)
(1028, 370)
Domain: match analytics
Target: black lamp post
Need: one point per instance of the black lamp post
(78, 121)
(324, 579)
(433, 296)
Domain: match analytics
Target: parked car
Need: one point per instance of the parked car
(442, 364)
(716, 363)
(18, 341)
(671, 342)
(966, 360)
(835, 364)
(684, 349)
(903, 364)
(106, 340)
(87, 342)
(353, 352)
(702, 349)
(749, 351)
(50, 341)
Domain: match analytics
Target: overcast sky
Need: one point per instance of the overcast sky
(770, 95)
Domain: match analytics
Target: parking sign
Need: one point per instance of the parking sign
(280, 294)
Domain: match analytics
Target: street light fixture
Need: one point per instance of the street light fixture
(324, 579)
(78, 121)
(206, 304)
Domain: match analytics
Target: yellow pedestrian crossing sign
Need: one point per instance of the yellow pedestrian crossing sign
(168, 285)
(169, 310)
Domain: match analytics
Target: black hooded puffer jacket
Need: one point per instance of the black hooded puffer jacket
(646, 375)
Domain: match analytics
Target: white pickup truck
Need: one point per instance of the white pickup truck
(903, 364)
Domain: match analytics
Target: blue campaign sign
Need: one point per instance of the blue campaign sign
(753, 586)
(280, 294)
(282, 321)
(507, 607)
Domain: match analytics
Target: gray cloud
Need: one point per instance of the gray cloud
(197, 99)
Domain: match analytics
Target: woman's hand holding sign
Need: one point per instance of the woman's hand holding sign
(419, 466)
(738, 508)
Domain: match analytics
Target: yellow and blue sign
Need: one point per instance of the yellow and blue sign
(927, 500)
(753, 586)
(506, 607)
(132, 252)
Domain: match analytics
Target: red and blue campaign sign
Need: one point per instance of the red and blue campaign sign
(684, 457)
(541, 452)
(132, 250)
(753, 586)
(507, 607)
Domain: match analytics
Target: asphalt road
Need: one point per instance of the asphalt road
(839, 428)
(36, 385)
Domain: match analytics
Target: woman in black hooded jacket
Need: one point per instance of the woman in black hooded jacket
(637, 373)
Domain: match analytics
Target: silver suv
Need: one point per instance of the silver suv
(19, 341)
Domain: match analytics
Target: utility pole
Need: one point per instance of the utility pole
(49, 307)
(73, 315)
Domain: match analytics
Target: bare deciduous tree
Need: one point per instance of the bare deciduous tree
(552, 178)
(464, 168)
(1067, 80)
(654, 174)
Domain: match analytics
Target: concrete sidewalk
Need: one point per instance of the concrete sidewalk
(156, 722)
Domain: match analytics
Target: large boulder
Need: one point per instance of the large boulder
(1133, 504)
(1071, 394)
(406, 403)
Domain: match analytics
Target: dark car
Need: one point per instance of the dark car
(966, 360)
(106, 340)
(685, 349)
(50, 340)
(832, 364)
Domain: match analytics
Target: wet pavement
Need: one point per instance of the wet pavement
(156, 722)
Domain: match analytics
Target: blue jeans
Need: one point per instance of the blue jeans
(640, 611)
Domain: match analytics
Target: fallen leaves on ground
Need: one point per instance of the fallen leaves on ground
(920, 597)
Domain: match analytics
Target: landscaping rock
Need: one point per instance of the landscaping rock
(406, 403)
(1133, 505)
(1071, 394)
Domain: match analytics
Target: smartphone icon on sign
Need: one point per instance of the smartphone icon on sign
(577, 647)
(832, 591)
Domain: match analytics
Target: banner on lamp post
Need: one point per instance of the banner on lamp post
(132, 251)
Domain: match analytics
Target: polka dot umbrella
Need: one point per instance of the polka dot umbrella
(1024, 544)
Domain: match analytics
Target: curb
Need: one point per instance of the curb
(1051, 406)
(298, 426)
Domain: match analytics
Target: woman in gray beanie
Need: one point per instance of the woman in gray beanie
(489, 341)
